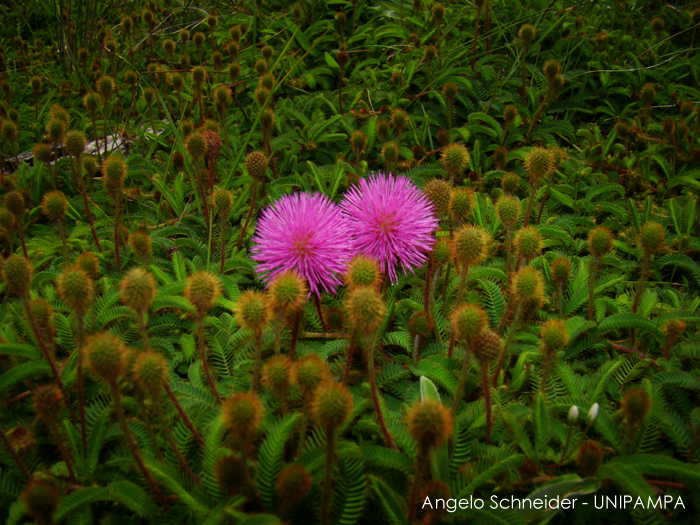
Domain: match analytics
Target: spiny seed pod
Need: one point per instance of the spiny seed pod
(468, 321)
(35, 84)
(256, 165)
(106, 356)
(390, 152)
(527, 284)
(54, 129)
(430, 53)
(309, 373)
(449, 90)
(429, 423)
(105, 85)
(199, 75)
(151, 371)
(439, 192)
(539, 163)
(242, 414)
(169, 46)
(7, 220)
(40, 500)
(508, 209)
(75, 288)
(510, 183)
(668, 126)
(461, 204)
(500, 156)
(234, 69)
(455, 158)
(442, 251)
(622, 129)
(527, 33)
(198, 39)
(332, 405)
(212, 21)
(212, 142)
(140, 243)
(652, 237)
(276, 374)
(59, 113)
(510, 113)
(17, 273)
(251, 311)
(45, 399)
(554, 336)
(528, 243)
(113, 174)
(261, 93)
(470, 245)
(293, 484)
(399, 118)
(196, 145)
(137, 289)
(382, 126)
(438, 12)
(635, 407)
(130, 77)
(42, 313)
(588, 459)
(600, 241)
(231, 474)
(267, 81)
(15, 203)
(267, 52)
(287, 293)
(184, 61)
(223, 200)
(88, 262)
(420, 323)
(89, 165)
(186, 128)
(486, 346)
(222, 96)
(9, 131)
(657, 24)
(366, 309)
(75, 143)
(358, 140)
(648, 93)
(210, 125)
(561, 270)
(148, 95)
(558, 82)
(54, 205)
(362, 272)
(178, 82)
(551, 68)
(42, 152)
(202, 290)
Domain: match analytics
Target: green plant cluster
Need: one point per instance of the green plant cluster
(549, 346)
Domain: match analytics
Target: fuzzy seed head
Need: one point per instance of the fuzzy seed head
(267, 81)
(551, 68)
(74, 142)
(113, 174)
(196, 145)
(657, 24)
(652, 237)
(561, 270)
(430, 53)
(88, 262)
(332, 405)
(242, 414)
(382, 126)
(438, 12)
(106, 356)
(287, 292)
(202, 290)
(186, 128)
(267, 119)
(470, 245)
(468, 321)
(35, 84)
(390, 152)
(17, 273)
(527, 284)
(648, 93)
(455, 158)
(251, 311)
(429, 423)
(293, 484)
(510, 183)
(528, 243)
(309, 373)
(40, 500)
(687, 108)
(140, 243)
(510, 113)
(635, 406)
(622, 129)
(420, 323)
(276, 374)
(261, 93)
(54, 129)
(15, 203)
(199, 75)
(486, 346)
(500, 156)
(363, 272)
(588, 459)
(75, 288)
(42, 313)
(54, 205)
(527, 33)
(212, 144)
(42, 152)
(554, 336)
(7, 220)
(223, 200)
(461, 205)
(600, 241)
(358, 140)
(9, 130)
(449, 90)
(222, 95)
(137, 289)
(439, 192)
(198, 39)
(399, 119)
(508, 209)
(442, 251)
(539, 163)
(151, 371)
(105, 85)
(366, 309)
(256, 165)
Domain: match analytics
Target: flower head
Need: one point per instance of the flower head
(392, 221)
(306, 233)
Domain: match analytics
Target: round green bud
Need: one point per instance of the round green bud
(653, 237)
(74, 142)
(15, 203)
(439, 192)
(366, 309)
(528, 243)
(137, 289)
(309, 373)
(468, 321)
(390, 152)
(251, 311)
(470, 245)
(202, 290)
(243, 414)
(429, 423)
(486, 346)
(554, 336)
(106, 357)
(539, 163)
(276, 374)
(455, 158)
(332, 405)
(256, 165)
(508, 209)
(42, 152)
(363, 271)
(461, 205)
(287, 293)
(75, 288)
(113, 174)
(17, 273)
(223, 200)
(527, 284)
(561, 269)
(527, 33)
(196, 145)
(600, 241)
(151, 371)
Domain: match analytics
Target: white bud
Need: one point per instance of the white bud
(573, 415)
(593, 413)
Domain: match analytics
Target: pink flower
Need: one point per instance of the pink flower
(392, 221)
(307, 233)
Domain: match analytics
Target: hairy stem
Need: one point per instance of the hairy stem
(203, 357)
(504, 351)
(185, 418)
(369, 350)
(330, 456)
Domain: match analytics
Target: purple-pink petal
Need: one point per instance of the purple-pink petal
(392, 221)
(307, 233)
